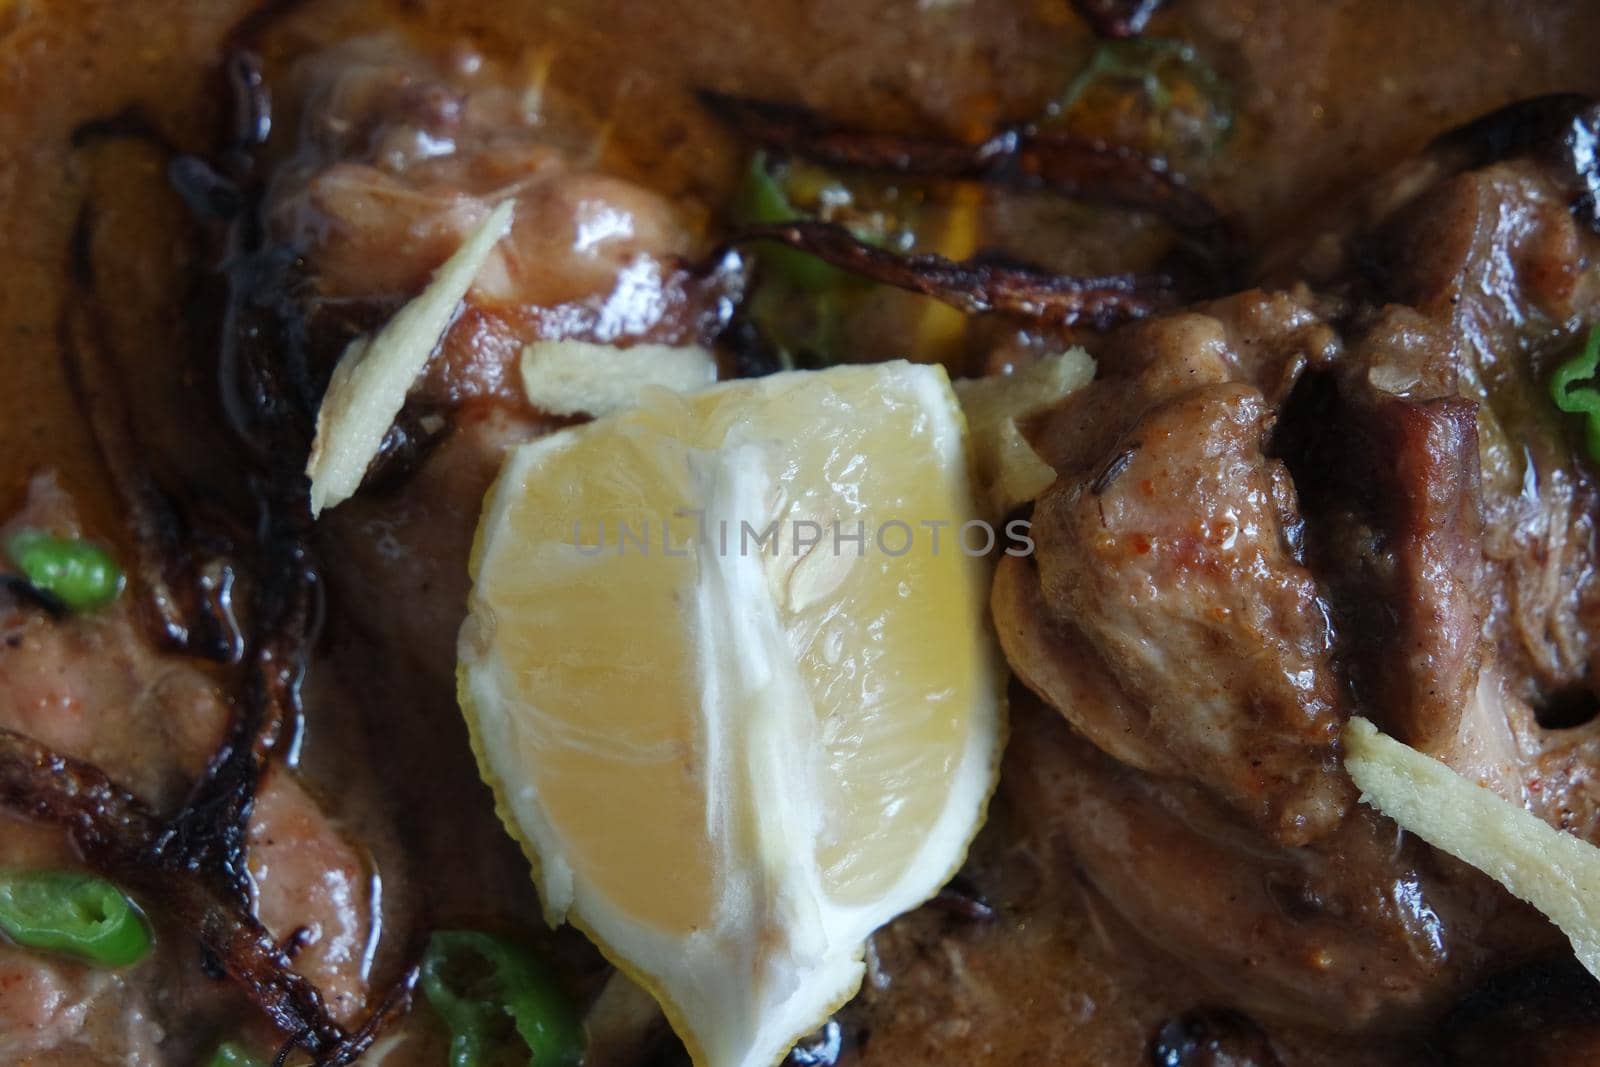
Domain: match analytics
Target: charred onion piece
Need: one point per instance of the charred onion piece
(269, 400)
(115, 831)
(1021, 155)
(190, 600)
(187, 592)
(209, 834)
(974, 286)
(206, 839)
(1117, 18)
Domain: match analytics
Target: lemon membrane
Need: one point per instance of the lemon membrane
(728, 669)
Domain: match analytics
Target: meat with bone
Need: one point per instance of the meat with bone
(1397, 464)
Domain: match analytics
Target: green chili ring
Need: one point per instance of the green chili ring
(479, 983)
(73, 914)
(81, 575)
(1581, 400)
(233, 1054)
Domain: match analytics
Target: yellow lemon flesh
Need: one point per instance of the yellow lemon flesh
(728, 669)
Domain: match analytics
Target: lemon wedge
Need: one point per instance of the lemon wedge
(738, 703)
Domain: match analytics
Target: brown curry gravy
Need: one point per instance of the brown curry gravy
(1326, 93)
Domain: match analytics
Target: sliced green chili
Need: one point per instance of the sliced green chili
(762, 199)
(74, 914)
(800, 300)
(233, 1054)
(80, 574)
(493, 995)
(1570, 396)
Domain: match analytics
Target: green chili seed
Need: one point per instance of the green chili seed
(82, 575)
(1570, 396)
(233, 1054)
(493, 994)
(74, 914)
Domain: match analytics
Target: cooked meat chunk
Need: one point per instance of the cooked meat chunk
(1175, 564)
(90, 686)
(1491, 271)
(400, 155)
(1391, 492)
(313, 892)
(1367, 927)
(1167, 563)
(1508, 270)
(1486, 245)
(1369, 507)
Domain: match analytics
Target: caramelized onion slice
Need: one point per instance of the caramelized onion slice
(975, 286)
(1019, 155)
(115, 830)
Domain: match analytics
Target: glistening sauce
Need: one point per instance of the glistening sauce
(1325, 94)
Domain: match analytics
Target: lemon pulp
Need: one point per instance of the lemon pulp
(727, 668)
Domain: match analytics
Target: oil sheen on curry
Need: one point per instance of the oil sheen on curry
(378, 378)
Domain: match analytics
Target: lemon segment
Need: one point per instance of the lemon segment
(728, 669)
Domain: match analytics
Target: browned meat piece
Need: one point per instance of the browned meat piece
(1167, 562)
(1487, 240)
(410, 546)
(1504, 267)
(1174, 562)
(400, 155)
(1365, 927)
(1368, 504)
(313, 892)
(1390, 488)
(91, 687)
(1491, 269)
